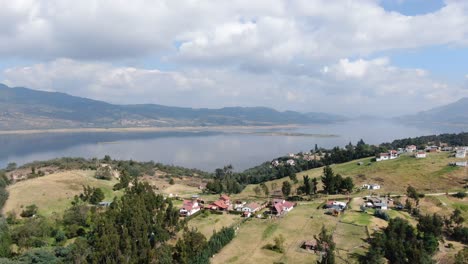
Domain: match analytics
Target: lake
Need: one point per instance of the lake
(203, 150)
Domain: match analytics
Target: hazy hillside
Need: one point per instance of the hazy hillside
(454, 113)
(22, 108)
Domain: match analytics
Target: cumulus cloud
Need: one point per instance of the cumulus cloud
(259, 32)
(360, 85)
(307, 55)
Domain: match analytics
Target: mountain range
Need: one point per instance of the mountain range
(23, 108)
(455, 113)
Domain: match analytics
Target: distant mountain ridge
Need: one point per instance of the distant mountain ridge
(23, 108)
(454, 113)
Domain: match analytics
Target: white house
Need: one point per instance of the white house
(411, 148)
(392, 154)
(189, 207)
(421, 155)
(461, 163)
(371, 186)
(461, 154)
(251, 207)
(291, 162)
(275, 163)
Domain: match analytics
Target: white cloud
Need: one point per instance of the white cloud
(359, 86)
(236, 32)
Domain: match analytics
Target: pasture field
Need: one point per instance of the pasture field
(301, 224)
(206, 224)
(53, 193)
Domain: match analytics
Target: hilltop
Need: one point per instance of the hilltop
(23, 108)
(453, 113)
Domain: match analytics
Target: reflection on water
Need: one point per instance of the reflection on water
(203, 150)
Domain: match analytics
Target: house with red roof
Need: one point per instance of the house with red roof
(281, 207)
(189, 207)
(222, 204)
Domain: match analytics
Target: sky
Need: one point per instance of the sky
(351, 57)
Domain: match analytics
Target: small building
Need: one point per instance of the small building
(392, 154)
(280, 206)
(104, 204)
(218, 205)
(461, 154)
(420, 155)
(371, 186)
(275, 163)
(291, 162)
(251, 208)
(225, 199)
(411, 148)
(309, 245)
(189, 208)
(460, 164)
(340, 206)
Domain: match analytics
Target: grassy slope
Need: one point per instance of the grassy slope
(427, 175)
(53, 193)
(300, 224)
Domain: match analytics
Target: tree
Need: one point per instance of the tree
(171, 181)
(286, 188)
(328, 180)
(326, 246)
(104, 173)
(293, 177)
(314, 185)
(307, 185)
(457, 217)
(30, 211)
(274, 185)
(279, 243)
(265, 189)
(97, 196)
(189, 246)
(412, 193)
(347, 184)
(5, 239)
(257, 190)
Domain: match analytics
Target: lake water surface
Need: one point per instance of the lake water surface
(202, 150)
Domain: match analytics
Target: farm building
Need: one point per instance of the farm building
(392, 154)
(280, 206)
(421, 155)
(189, 207)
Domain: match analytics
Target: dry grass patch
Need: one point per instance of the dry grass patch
(213, 222)
(302, 223)
(53, 193)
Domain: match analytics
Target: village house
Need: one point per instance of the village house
(340, 206)
(189, 207)
(275, 163)
(223, 203)
(281, 207)
(420, 155)
(411, 148)
(392, 154)
(461, 154)
(377, 202)
(460, 163)
(291, 162)
(371, 186)
(251, 208)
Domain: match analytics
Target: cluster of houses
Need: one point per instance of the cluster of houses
(278, 207)
(294, 157)
(461, 152)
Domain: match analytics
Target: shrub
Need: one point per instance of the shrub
(382, 215)
(460, 195)
(30, 211)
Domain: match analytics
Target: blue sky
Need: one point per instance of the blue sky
(346, 57)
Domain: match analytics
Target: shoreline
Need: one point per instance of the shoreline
(144, 129)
